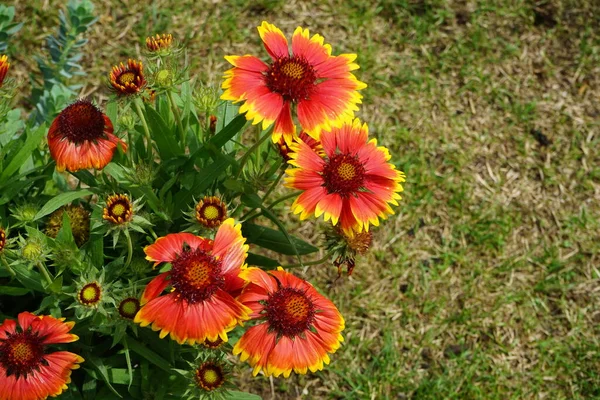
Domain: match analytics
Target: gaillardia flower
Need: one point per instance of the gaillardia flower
(284, 148)
(118, 210)
(300, 325)
(353, 183)
(2, 238)
(159, 42)
(128, 307)
(204, 281)
(320, 86)
(210, 376)
(211, 211)
(27, 370)
(4, 64)
(81, 137)
(128, 79)
(90, 294)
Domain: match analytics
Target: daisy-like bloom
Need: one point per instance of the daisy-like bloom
(129, 307)
(90, 294)
(118, 210)
(81, 137)
(300, 325)
(128, 79)
(79, 218)
(204, 281)
(353, 183)
(27, 370)
(284, 148)
(320, 86)
(211, 212)
(4, 64)
(209, 376)
(159, 42)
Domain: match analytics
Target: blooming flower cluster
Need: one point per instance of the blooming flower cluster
(205, 287)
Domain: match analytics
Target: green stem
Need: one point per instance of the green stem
(177, 117)
(248, 216)
(284, 198)
(251, 150)
(8, 267)
(45, 273)
(129, 249)
(316, 262)
(140, 114)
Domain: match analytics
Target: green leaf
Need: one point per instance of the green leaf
(58, 201)
(276, 240)
(32, 142)
(208, 175)
(262, 261)
(162, 134)
(28, 278)
(236, 395)
(102, 370)
(13, 291)
(148, 354)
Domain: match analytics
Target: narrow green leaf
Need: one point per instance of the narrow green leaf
(209, 174)
(236, 395)
(262, 261)
(101, 369)
(13, 291)
(148, 354)
(162, 134)
(56, 202)
(31, 142)
(276, 240)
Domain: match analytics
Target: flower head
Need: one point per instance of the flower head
(27, 370)
(79, 219)
(159, 42)
(90, 294)
(81, 137)
(353, 183)
(128, 307)
(128, 79)
(204, 280)
(320, 86)
(210, 376)
(299, 326)
(119, 209)
(345, 248)
(4, 64)
(211, 212)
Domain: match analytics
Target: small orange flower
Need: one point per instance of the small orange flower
(159, 42)
(352, 183)
(2, 239)
(300, 325)
(118, 210)
(4, 64)
(320, 87)
(27, 370)
(204, 280)
(81, 137)
(211, 211)
(209, 376)
(129, 79)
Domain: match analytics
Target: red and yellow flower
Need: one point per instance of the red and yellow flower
(353, 183)
(128, 79)
(320, 86)
(300, 326)
(81, 137)
(4, 64)
(27, 370)
(284, 148)
(211, 211)
(204, 280)
(159, 42)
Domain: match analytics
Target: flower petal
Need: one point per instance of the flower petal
(166, 248)
(275, 42)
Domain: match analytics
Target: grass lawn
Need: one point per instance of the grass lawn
(486, 282)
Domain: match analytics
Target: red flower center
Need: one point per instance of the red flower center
(290, 312)
(129, 307)
(210, 376)
(81, 121)
(196, 275)
(343, 174)
(292, 77)
(90, 294)
(21, 353)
